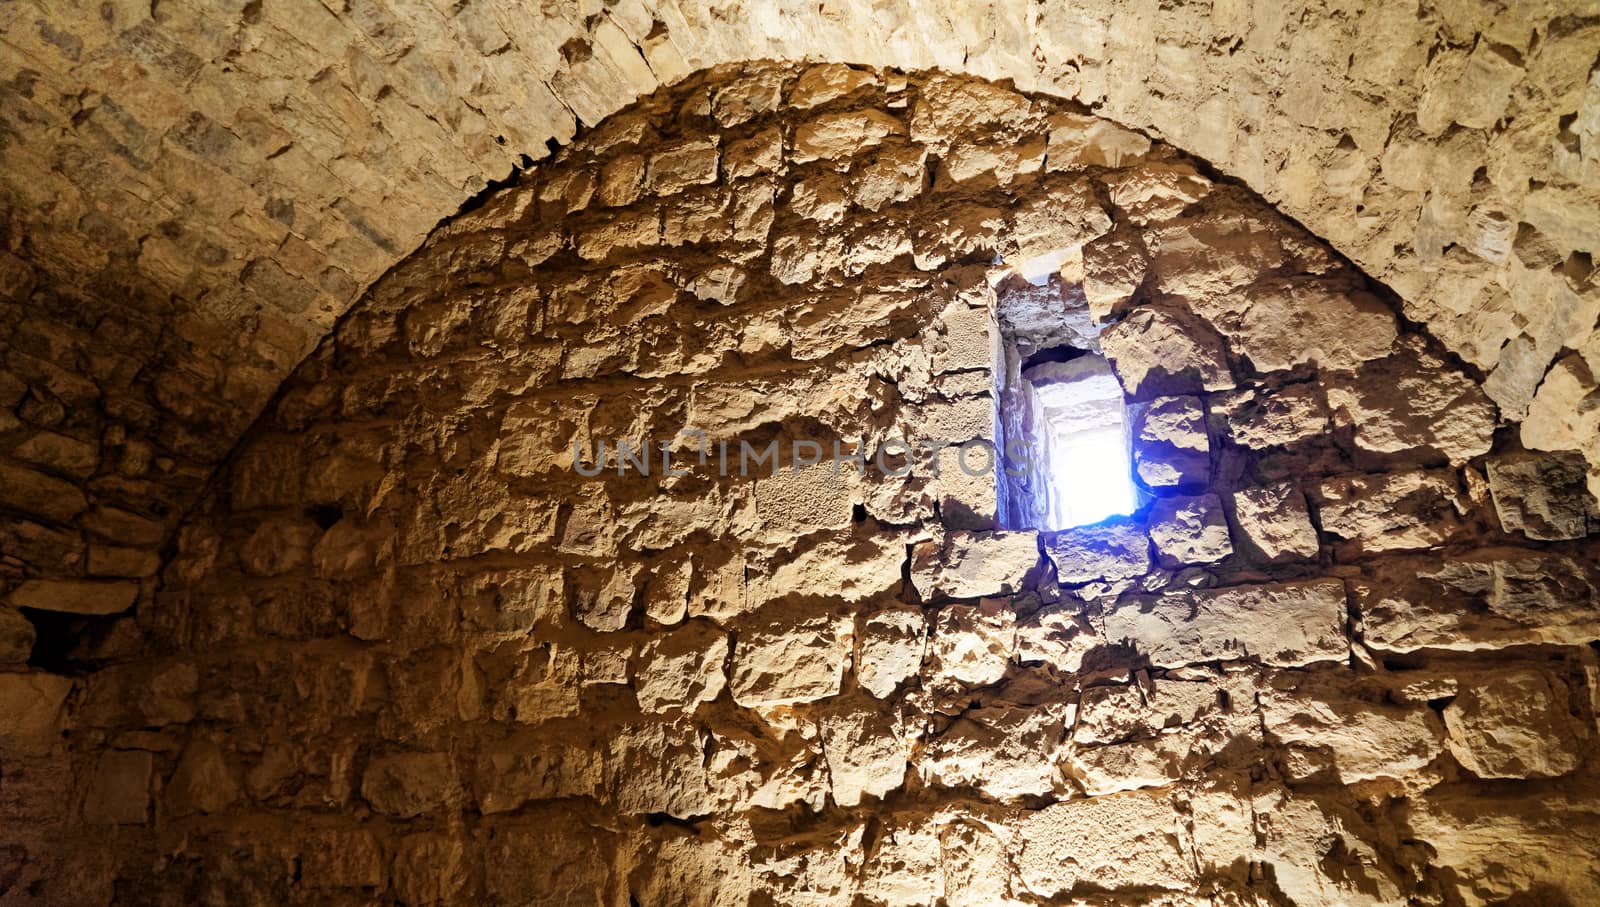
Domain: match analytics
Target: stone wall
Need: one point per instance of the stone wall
(406, 652)
(261, 163)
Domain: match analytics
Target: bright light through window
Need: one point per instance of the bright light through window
(1081, 424)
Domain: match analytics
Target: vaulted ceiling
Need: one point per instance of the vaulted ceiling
(237, 172)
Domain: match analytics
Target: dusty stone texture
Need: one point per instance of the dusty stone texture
(406, 651)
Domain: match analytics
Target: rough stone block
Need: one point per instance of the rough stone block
(1543, 496)
(801, 661)
(76, 596)
(1171, 449)
(1273, 524)
(1121, 841)
(16, 637)
(1008, 753)
(971, 646)
(1514, 724)
(891, 648)
(1114, 550)
(1391, 512)
(1334, 729)
(119, 791)
(1413, 404)
(1272, 417)
(866, 756)
(681, 669)
(1487, 599)
(30, 710)
(40, 495)
(843, 134)
(689, 163)
(1286, 624)
(1189, 530)
(1157, 351)
(974, 564)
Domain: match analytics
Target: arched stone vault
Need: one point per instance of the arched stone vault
(258, 164)
(404, 652)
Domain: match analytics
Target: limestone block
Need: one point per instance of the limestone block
(1007, 753)
(1057, 220)
(843, 134)
(1485, 599)
(58, 453)
(203, 781)
(403, 785)
(902, 869)
(798, 661)
(573, 862)
(890, 651)
(838, 565)
(1263, 418)
(1057, 636)
(659, 768)
(863, 745)
(825, 82)
(1286, 324)
(966, 486)
(1157, 351)
(1413, 404)
(692, 162)
(16, 637)
(1189, 530)
(747, 97)
(119, 791)
(1171, 449)
(1078, 141)
(971, 646)
(974, 564)
(681, 669)
(606, 606)
(761, 153)
(621, 180)
(949, 106)
(1114, 550)
(1501, 844)
(1393, 511)
(1273, 523)
(1114, 269)
(39, 495)
(339, 858)
(1122, 841)
(507, 778)
(1324, 853)
(1158, 190)
(1332, 729)
(1543, 497)
(1287, 624)
(1514, 724)
(75, 596)
(894, 174)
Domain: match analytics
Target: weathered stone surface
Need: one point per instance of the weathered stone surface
(1008, 753)
(1106, 552)
(411, 784)
(1514, 724)
(1409, 403)
(1295, 623)
(1287, 324)
(802, 661)
(971, 645)
(1389, 512)
(1158, 352)
(119, 792)
(1543, 497)
(1190, 530)
(1264, 418)
(1483, 600)
(203, 781)
(75, 596)
(40, 495)
(1274, 524)
(30, 710)
(1497, 847)
(1171, 448)
(16, 637)
(975, 564)
(835, 135)
(1123, 841)
(866, 756)
(507, 779)
(890, 651)
(682, 669)
(659, 768)
(1335, 730)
